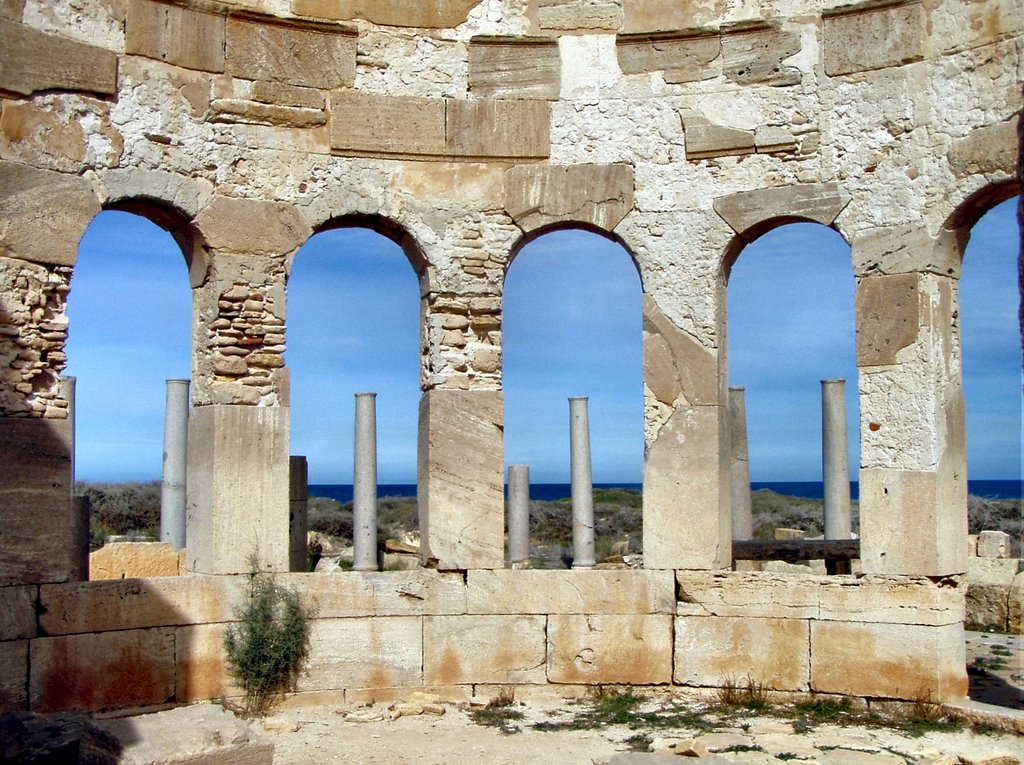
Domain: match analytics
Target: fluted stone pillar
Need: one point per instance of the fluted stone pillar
(173, 498)
(364, 480)
(582, 484)
(835, 459)
(518, 514)
(742, 517)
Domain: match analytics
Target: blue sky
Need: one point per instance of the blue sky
(572, 327)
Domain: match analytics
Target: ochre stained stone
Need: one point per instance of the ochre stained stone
(888, 311)
(712, 650)
(120, 560)
(483, 649)
(610, 648)
(252, 226)
(383, 652)
(13, 675)
(903, 661)
(127, 668)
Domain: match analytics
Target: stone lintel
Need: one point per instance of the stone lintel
(540, 195)
(192, 38)
(900, 661)
(750, 213)
(461, 472)
(34, 61)
(525, 591)
(37, 529)
(874, 35)
(511, 67)
(238, 489)
(905, 249)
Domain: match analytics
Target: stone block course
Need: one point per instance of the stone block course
(128, 668)
(893, 660)
(887, 317)
(364, 653)
(904, 249)
(610, 648)
(183, 36)
(504, 591)
(515, 68)
(295, 53)
(386, 593)
(483, 649)
(498, 128)
(200, 671)
(364, 123)
(35, 61)
(872, 36)
(754, 595)
(754, 52)
(680, 57)
(130, 560)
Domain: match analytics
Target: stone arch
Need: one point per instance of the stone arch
(971, 209)
(570, 224)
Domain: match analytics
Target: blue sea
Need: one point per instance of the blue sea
(546, 492)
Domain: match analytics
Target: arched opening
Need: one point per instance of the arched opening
(791, 325)
(353, 326)
(129, 331)
(989, 300)
(572, 326)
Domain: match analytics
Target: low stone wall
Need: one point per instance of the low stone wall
(995, 584)
(143, 642)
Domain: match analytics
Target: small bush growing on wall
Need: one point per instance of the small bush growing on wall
(268, 646)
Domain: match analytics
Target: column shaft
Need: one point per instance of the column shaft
(364, 496)
(835, 459)
(582, 484)
(518, 514)
(173, 500)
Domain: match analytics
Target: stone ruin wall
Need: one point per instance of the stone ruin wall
(462, 129)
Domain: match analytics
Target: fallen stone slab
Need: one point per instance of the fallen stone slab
(204, 734)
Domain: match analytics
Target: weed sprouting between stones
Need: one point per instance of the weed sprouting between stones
(498, 713)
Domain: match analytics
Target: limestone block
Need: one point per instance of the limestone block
(579, 16)
(18, 612)
(44, 214)
(381, 652)
(183, 36)
(498, 128)
(710, 650)
(680, 57)
(255, 113)
(286, 95)
(705, 139)
(676, 365)
(115, 604)
(539, 195)
(610, 648)
(483, 649)
(686, 515)
(37, 539)
(515, 67)
(660, 15)
(989, 150)
(858, 39)
(753, 594)
(527, 591)
(252, 226)
(297, 53)
(911, 524)
(53, 133)
(428, 14)
(238, 488)
(773, 140)
(13, 675)
(206, 734)
(1015, 606)
(887, 309)
(187, 196)
(200, 670)
(895, 600)
(902, 661)
(128, 668)
(35, 61)
(749, 213)
(989, 598)
(752, 53)
(461, 479)
(381, 593)
(129, 560)
(475, 183)
(367, 123)
(904, 250)
(994, 544)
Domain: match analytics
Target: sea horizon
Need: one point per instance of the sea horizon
(547, 492)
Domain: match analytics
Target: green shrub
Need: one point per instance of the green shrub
(268, 646)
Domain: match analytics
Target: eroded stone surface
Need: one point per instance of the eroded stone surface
(609, 648)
